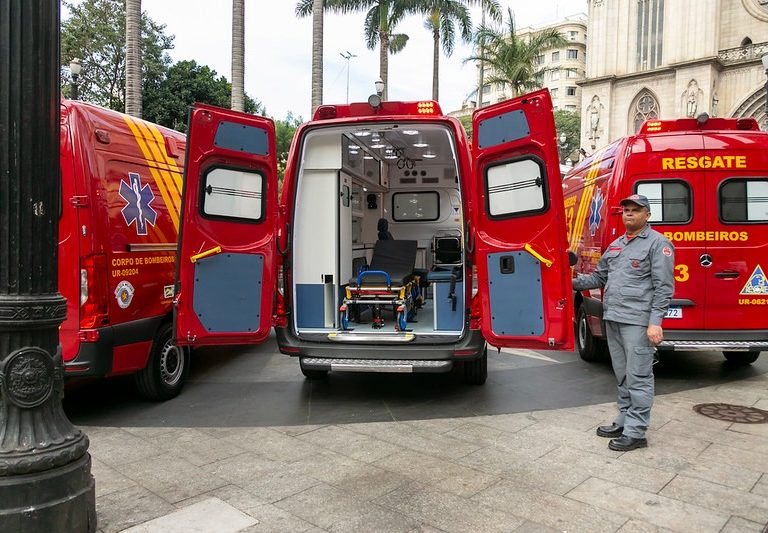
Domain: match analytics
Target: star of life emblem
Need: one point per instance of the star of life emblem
(756, 284)
(594, 211)
(137, 209)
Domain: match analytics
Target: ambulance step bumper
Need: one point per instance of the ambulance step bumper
(725, 346)
(383, 336)
(375, 365)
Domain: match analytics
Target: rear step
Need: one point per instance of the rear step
(383, 336)
(375, 365)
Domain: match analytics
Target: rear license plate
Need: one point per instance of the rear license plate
(674, 312)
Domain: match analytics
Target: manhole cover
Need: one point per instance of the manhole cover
(732, 413)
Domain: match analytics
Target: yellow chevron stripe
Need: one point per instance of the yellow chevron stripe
(173, 208)
(586, 200)
(156, 144)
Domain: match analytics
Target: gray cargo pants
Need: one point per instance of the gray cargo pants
(632, 358)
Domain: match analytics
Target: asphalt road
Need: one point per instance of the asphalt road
(257, 386)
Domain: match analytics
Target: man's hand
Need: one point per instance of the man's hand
(655, 334)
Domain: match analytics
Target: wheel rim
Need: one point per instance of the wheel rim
(582, 336)
(171, 364)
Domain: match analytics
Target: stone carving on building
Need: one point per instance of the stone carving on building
(594, 115)
(691, 98)
(757, 8)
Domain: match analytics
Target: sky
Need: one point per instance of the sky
(278, 51)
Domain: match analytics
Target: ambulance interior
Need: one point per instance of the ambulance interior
(378, 233)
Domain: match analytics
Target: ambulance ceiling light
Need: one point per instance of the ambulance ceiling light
(429, 154)
(361, 133)
(410, 132)
(353, 147)
(366, 156)
(420, 143)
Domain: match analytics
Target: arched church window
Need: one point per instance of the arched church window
(746, 41)
(644, 107)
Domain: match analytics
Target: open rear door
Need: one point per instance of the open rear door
(226, 263)
(519, 230)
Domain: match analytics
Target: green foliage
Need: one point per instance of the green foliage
(513, 60)
(185, 83)
(466, 121)
(94, 32)
(284, 132)
(568, 122)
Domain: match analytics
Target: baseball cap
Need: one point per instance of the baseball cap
(638, 199)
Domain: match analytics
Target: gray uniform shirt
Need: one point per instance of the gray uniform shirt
(638, 278)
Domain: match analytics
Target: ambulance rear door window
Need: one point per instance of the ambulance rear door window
(744, 200)
(229, 193)
(670, 200)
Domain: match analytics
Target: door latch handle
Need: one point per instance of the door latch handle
(727, 274)
(213, 251)
(537, 255)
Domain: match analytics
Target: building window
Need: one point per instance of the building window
(555, 56)
(650, 33)
(501, 86)
(570, 107)
(573, 54)
(644, 108)
(573, 35)
(570, 91)
(486, 89)
(539, 59)
(553, 92)
(570, 73)
(555, 75)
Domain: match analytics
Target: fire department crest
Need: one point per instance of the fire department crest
(756, 284)
(137, 209)
(124, 294)
(594, 211)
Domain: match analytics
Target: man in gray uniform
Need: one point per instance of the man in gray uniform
(637, 273)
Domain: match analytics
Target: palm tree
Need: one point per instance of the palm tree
(513, 60)
(442, 18)
(133, 57)
(380, 20)
(238, 54)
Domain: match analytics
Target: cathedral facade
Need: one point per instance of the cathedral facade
(670, 59)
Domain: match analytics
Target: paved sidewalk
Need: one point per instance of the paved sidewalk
(534, 471)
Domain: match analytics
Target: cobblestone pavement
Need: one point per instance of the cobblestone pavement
(534, 470)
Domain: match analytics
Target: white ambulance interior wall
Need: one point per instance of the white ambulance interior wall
(450, 216)
(316, 228)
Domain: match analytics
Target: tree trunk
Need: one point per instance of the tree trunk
(133, 57)
(435, 63)
(317, 53)
(238, 55)
(384, 62)
(481, 69)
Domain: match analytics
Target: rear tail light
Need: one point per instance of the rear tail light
(94, 302)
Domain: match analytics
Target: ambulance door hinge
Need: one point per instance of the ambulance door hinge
(551, 342)
(79, 201)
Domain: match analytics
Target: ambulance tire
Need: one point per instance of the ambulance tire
(741, 358)
(167, 368)
(591, 348)
(311, 373)
(476, 370)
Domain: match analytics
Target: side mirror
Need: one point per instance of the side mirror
(572, 259)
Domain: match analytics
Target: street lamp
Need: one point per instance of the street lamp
(764, 59)
(348, 55)
(75, 68)
(563, 146)
(379, 87)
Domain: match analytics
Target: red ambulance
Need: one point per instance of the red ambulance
(393, 247)
(121, 190)
(707, 183)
